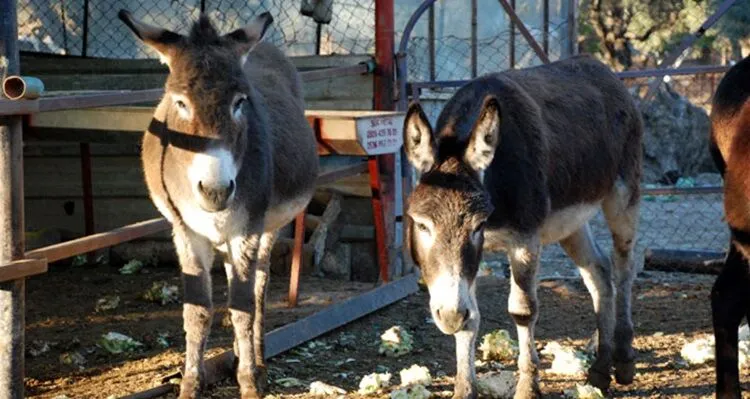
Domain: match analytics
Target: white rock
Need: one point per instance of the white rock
(411, 392)
(698, 351)
(567, 360)
(374, 382)
(320, 388)
(415, 375)
(496, 385)
(584, 392)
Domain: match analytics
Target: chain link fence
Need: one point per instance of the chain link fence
(91, 27)
(443, 42)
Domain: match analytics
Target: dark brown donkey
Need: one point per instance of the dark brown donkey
(229, 158)
(517, 160)
(730, 149)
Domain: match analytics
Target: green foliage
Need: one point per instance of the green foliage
(640, 33)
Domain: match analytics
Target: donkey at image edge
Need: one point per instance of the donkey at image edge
(517, 160)
(229, 159)
(730, 150)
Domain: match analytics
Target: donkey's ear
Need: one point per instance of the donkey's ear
(163, 41)
(485, 136)
(245, 39)
(419, 144)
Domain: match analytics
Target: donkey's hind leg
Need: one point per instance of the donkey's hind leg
(196, 256)
(621, 209)
(728, 307)
(242, 257)
(597, 275)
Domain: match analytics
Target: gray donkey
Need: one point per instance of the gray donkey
(520, 159)
(229, 158)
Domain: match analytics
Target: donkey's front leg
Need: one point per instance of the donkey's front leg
(262, 268)
(196, 256)
(522, 306)
(243, 253)
(466, 378)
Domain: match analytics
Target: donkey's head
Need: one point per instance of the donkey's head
(448, 208)
(208, 102)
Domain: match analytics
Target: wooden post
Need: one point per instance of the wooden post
(299, 240)
(12, 293)
(383, 100)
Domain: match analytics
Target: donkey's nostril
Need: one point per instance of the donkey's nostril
(215, 198)
(466, 314)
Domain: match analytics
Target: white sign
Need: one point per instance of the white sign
(381, 134)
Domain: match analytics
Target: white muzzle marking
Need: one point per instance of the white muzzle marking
(215, 167)
(451, 295)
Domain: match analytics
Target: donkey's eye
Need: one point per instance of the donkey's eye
(180, 104)
(239, 104)
(422, 227)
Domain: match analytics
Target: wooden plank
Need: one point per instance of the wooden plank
(35, 64)
(98, 241)
(22, 268)
(333, 175)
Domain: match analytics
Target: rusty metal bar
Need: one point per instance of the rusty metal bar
(512, 40)
(545, 26)
(572, 28)
(12, 293)
(299, 240)
(692, 70)
(378, 217)
(474, 38)
(687, 42)
(431, 40)
(384, 165)
(510, 10)
(682, 190)
(684, 260)
(291, 335)
(125, 97)
(98, 241)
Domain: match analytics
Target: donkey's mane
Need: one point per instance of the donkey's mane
(203, 32)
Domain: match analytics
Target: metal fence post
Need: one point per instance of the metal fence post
(12, 293)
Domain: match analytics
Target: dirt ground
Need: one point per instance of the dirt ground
(669, 309)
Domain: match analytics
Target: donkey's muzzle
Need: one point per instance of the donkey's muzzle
(216, 197)
(450, 321)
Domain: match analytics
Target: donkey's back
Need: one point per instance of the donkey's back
(295, 159)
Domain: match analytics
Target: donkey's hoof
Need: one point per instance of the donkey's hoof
(261, 379)
(625, 372)
(464, 391)
(248, 388)
(599, 379)
(527, 388)
(189, 388)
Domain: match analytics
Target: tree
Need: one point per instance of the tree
(628, 33)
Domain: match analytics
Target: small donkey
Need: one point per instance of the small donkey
(730, 149)
(520, 159)
(229, 158)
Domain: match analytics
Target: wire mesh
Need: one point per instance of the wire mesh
(57, 27)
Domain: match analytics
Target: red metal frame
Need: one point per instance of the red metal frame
(384, 165)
